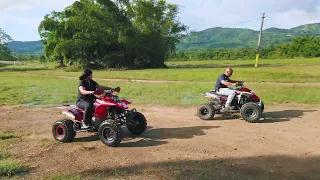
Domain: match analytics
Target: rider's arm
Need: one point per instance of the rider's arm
(85, 92)
(233, 81)
(103, 87)
(228, 83)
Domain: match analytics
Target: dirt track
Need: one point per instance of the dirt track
(177, 145)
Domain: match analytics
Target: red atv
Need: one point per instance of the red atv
(245, 101)
(110, 113)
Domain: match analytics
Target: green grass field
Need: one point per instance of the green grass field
(31, 90)
(291, 71)
(249, 63)
(288, 74)
(36, 84)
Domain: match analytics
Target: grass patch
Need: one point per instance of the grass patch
(11, 168)
(270, 74)
(20, 66)
(247, 63)
(31, 91)
(46, 143)
(8, 166)
(4, 155)
(4, 136)
(65, 177)
(291, 70)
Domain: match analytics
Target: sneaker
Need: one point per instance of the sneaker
(84, 126)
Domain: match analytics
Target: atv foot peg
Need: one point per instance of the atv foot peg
(85, 129)
(228, 110)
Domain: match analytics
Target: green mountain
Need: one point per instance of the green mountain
(26, 47)
(210, 38)
(243, 38)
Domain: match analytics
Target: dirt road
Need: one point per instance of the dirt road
(177, 145)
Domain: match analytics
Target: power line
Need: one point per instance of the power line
(237, 23)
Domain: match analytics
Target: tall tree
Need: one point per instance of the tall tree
(5, 53)
(156, 31)
(132, 34)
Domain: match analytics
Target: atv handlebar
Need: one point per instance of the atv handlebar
(108, 93)
(240, 83)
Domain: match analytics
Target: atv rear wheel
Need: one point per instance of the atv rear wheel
(206, 112)
(137, 123)
(110, 133)
(63, 131)
(251, 112)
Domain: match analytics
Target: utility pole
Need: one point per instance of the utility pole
(259, 41)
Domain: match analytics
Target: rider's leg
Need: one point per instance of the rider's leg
(230, 93)
(88, 112)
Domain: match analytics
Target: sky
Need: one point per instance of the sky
(20, 18)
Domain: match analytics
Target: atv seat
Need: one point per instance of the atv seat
(213, 92)
(76, 108)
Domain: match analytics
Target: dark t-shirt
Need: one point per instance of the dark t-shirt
(220, 78)
(89, 86)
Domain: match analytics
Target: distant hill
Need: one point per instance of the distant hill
(243, 38)
(210, 38)
(26, 47)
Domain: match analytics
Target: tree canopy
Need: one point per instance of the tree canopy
(303, 46)
(5, 53)
(122, 33)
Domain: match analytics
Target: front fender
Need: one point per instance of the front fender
(126, 101)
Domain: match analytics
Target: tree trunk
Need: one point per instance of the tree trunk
(61, 62)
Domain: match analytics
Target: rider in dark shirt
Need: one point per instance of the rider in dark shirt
(219, 84)
(85, 98)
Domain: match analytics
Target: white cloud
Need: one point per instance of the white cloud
(11, 5)
(24, 21)
(197, 14)
(202, 14)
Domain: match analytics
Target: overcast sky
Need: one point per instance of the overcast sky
(20, 18)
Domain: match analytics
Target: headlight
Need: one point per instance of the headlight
(123, 104)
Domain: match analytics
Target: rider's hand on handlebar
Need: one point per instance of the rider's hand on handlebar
(117, 89)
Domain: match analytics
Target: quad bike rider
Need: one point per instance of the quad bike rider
(98, 111)
(227, 100)
(221, 88)
(85, 99)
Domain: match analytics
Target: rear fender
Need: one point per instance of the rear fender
(72, 111)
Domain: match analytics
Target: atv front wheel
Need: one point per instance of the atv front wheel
(251, 112)
(137, 123)
(63, 131)
(205, 112)
(110, 133)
